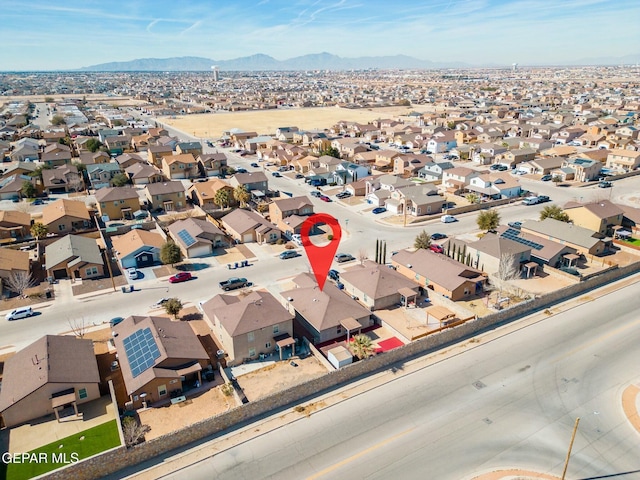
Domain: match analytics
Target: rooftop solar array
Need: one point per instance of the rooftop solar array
(186, 238)
(513, 234)
(141, 350)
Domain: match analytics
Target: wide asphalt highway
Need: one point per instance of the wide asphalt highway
(505, 401)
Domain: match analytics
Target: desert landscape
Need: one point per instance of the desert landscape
(211, 125)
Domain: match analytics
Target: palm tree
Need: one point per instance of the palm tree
(361, 346)
(241, 195)
(39, 231)
(221, 198)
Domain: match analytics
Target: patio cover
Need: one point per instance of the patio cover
(439, 313)
(196, 367)
(350, 323)
(62, 398)
(284, 340)
(407, 292)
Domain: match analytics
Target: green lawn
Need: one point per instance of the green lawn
(96, 440)
(634, 241)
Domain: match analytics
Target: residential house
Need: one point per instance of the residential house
(158, 357)
(432, 171)
(25, 150)
(73, 256)
(599, 216)
(127, 159)
(416, 200)
(56, 158)
(513, 158)
(195, 237)
(63, 179)
(251, 181)
(13, 261)
(14, 225)
(100, 175)
(584, 240)
(176, 167)
(288, 214)
(543, 250)
(442, 142)
(166, 196)
(66, 216)
(212, 164)
(144, 173)
(495, 186)
(117, 144)
(625, 160)
(324, 315)
(46, 376)
(457, 179)
(194, 148)
(138, 248)
(117, 203)
(579, 169)
(384, 158)
(535, 143)
(492, 249)
(246, 226)
(90, 158)
(439, 273)
(11, 186)
(542, 165)
(155, 154)
(248, 326)
(378, 286)
(204, 194)
(410, 165)
(347, 172)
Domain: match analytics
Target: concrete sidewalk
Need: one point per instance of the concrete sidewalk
(210, 448)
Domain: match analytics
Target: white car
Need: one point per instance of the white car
(447, 218)
(132, 273)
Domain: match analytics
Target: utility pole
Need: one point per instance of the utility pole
(573, 437)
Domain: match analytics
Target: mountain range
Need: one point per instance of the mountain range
(316, 61)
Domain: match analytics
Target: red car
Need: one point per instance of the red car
(436, 248)
(324, 198)
(180, 277)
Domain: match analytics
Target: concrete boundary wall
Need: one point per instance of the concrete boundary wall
(112, 461)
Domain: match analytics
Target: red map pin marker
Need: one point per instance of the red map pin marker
(320, 257)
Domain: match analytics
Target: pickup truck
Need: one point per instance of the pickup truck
(233, 283)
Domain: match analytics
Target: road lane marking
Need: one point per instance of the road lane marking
(357, 455)
(598, 340)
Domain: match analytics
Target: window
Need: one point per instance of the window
(276, 329)
(82, 393)
(62, 227)
(162, 390)
(252, 352)
(267, 345)
(115, 203)
(250, 336)
(102, 204)
(338, 329)
(91, 271)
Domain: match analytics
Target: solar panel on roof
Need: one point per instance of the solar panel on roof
(141, 350)
(513, 234)
(186, 238)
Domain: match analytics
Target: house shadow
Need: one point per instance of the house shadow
(191, 316)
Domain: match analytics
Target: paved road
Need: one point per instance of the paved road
(511, 402)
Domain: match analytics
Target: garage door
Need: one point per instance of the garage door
(144, 260)
(200, 251)
(58, 274)
(247, 238)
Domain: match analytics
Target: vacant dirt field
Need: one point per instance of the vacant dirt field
(211, 125)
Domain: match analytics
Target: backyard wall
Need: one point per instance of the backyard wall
(112, 461)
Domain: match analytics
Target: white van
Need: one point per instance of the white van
(18, 313)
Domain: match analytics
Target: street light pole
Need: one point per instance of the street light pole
(573, 437)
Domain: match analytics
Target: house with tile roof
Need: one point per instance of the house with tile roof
(65, 216)
(157, 357)
(13, 261)
(117, 203)
(46, 376)
(73, 256)
(166, 196)
(196, 238)
(248, 326)
(599, 216)
(584, 240)
(245, 226)
(62, 179)
(182, 166)
(14, 225)
(138, 248)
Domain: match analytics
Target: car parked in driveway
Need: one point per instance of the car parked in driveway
(288, 254)
(132, 273)
(344, 194)
(344, 257)
(276, 174)
(378, 210)
(180, 277)
(255, 165)
(434, 247)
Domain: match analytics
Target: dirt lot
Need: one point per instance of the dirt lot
(211, 125)
(279, 376)
(173, 417)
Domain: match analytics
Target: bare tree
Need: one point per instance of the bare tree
(19, 281)
(508, 270)
(24, 207)
(133, 432)
(78, 327)
(362, 255)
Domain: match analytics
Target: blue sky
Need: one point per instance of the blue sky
(50, 35)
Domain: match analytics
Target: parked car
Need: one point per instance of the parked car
(605, 184)
(502, 168)
(115, 321)
(18, 313)
(543, 199)
(180, 277)
(37, 201)
(447, 219)
(515, 225)
(255, 165)
(334, 275)
(233, 283)
(324, 198)
(378, 210)
(438, 236)
(299, 175)
(344, 194)
(297, 239)
(160, 302)
(316, 193)
(344, 257)
(132, 273)
(276, 174)
(288, 254)
(530, 201)
(434, 247)
(241, 170)
(546, 178)
(495, 166)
